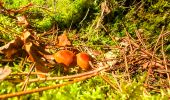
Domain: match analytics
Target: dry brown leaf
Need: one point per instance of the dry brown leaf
(34, 56)
(25, 36)
(4, 72)
(34, 49)
(22, 21)
(12, 47)
(46, 56)
(63, 40)
(28, 49)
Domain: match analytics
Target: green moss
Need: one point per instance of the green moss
(70, 12)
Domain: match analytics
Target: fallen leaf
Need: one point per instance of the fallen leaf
(22, 21)
(25, 36)
(63, 40)
(4, 72)
(35, 56)
(12, 47)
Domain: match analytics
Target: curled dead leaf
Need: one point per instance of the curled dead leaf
(12, 47)
(22, 21)
(4, 72)
(35, 56)
(63, 40)
(25, 36)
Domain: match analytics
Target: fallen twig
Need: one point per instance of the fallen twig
(96, 71)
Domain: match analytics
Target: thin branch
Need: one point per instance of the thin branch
(27, 79)
(65, 77)
(140, 38)
(126, 65)
(85, 16)
(118, 84)
(32, 73)
(129, 38)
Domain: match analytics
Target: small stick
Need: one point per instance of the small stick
(128, 39)
(118, 84)
(140, 38)
(66, 77)
(32, 73)
(165, 61)
(126, 65)
(105, 78)
(85, 16)
(6, 60)
(162, 71)
(27, 79)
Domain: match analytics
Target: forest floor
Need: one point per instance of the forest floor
(127, 47)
